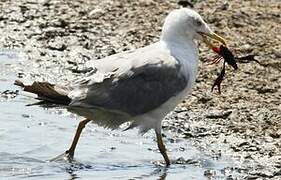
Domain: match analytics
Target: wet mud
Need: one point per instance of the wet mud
(50, 40)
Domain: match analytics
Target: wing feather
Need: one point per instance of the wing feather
(145, 81)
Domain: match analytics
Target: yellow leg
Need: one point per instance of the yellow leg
(162, 148)
(71, 150)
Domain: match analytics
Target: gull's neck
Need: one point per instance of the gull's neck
(185, 50)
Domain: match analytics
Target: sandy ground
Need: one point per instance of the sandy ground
(57, 37)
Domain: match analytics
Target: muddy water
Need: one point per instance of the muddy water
(31, 135)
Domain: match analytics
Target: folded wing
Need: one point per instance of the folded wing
(132, 83)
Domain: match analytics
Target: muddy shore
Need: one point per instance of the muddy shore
(58, 37)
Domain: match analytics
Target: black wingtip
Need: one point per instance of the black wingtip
(19, 83)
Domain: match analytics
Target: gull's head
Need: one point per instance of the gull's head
(186, 24)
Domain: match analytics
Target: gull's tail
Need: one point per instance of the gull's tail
(47, 92)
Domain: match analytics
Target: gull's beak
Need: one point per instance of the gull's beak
(213, 36)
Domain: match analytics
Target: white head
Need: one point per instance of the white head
(186, 24)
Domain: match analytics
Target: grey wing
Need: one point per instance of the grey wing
(138, 91)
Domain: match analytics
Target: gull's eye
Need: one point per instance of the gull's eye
(198, 23)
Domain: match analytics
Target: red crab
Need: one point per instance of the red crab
(223, 53)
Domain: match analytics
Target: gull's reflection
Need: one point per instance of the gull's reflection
(160, 172)
(163, 174)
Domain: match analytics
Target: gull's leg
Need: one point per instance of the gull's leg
(68, 155)
(162, 148)
(71, 150)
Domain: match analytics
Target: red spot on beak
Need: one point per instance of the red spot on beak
(216, 49)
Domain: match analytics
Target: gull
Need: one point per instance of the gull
(139, 87)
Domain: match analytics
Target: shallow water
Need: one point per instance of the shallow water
(31, 135)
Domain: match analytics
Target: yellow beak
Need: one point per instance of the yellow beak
(213, 36)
